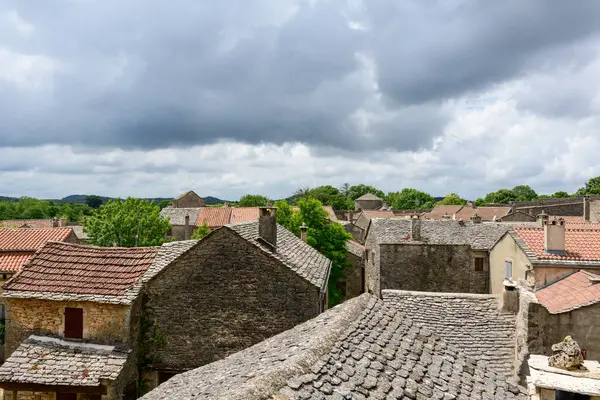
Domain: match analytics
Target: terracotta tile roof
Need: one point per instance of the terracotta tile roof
(580, 244)
(378, 214)
(574, 291)
(243, 214)
(571, 218)
(13, 261)
(439, 211)
(486, 213)
(76, 269)
(31, 223)
(214, 217)
(30, 239)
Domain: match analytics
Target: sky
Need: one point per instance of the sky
(152, 98)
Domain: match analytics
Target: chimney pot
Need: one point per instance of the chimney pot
(542, 218)
(267, 225)
(475, 218)
(304, 232)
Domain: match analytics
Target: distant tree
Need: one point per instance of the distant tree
(285, 214)
(93, 201)
(592, 186)
(354, 192)
(302, 193)
(345, 189)
(524, 193)
(253, 200)
(331, 196)
(409, 199)
(502, 196)
(560, 195)
(129, 223)
(452, 200)
(202, 231)
(164, 203)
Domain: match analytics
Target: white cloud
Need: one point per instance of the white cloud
(16, 22)
(27, 71)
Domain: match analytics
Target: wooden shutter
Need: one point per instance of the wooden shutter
(73, 323)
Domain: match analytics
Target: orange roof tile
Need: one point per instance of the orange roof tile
(214, 217)
(77, 269)
(574, 291)
(581, 244)
(243, 214)
(30, 239)
(442, 210)
(31, 223)
(13, 261)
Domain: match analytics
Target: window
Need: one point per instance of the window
(478, 264)
(67, 396)
(508, 270)
(73, 323)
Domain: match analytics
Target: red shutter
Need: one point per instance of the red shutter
(73, 323)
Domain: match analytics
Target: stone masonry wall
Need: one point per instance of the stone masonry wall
(223, 296)
(432, 268)
(353, 277)
(190, 200)
(102, 323)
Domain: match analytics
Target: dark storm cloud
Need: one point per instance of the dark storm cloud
(154, 74)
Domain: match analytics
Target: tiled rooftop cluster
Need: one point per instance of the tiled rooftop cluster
(466, 212)
(30, 239)
(49, 361)
(472, 322)
(576, 290)
(293, 252)
(581, 243)
(360, 349)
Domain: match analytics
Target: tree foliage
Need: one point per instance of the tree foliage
(524, 193)
(202, 231)
(253, 200)
(452, 200)
(30, 208)
(330, 196)
(329, 238)
(129, 223)
(164, 203)
(93, 201)
(410, 199)
(592, 186)
(502, 196)
(354, 192)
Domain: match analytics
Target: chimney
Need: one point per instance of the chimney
(303, 232)
(187, 227)
(267, 225)
(542, 219)
(55, 223)
(586, 208)
(554, 236)
(510, 297)
(475, 219)
(415, 228)
(446, 217)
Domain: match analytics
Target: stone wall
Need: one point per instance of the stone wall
(547, 274)
(102, 323)
(432, 268)
(595, 211)
(222, 296)
(353, 277)
(178, 231)
(189, 200)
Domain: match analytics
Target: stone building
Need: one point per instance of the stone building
(363, 348)
(426, 255)
(465, 213)
(188, 199)
(353, 283)
(183, 221)
(368, 202)
(360, 226)
(545, 253)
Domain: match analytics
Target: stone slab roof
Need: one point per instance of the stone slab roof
(471, 322)
(574, 291)
(79, 232)
(49, 361)
(177, 215)
(291, 250)
(479, 236)
(19, 239)
(486, 213)
(360, 349)
(356, 248)
(13, 261)
(581, 243)
(368, 196)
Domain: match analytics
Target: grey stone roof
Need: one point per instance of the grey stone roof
(291, 250)
(368, 196)
(472, 322)
(355, 248)
(79, 232)
(49, 361)
(177, 215)
(479, 236)
(362, 348)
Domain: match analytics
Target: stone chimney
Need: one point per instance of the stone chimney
(446, 217)
(303, 232)
(475, 218)
(554, 236)
(510, 297)
(415, 228)
(55, 222)
(586, 208)
(542, 219)
(267, 225)
(186, 234)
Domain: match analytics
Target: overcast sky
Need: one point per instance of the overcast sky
(151, 97)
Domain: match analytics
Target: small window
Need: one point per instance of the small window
(508, 268)
(478, 264)
(73, 323)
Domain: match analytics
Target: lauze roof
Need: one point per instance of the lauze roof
(574, 291)
(362, 348)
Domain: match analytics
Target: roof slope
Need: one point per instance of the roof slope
(32, 223)
(486, 213)
(471, 322)
(478, 236)
(243, 214)
(574, 291)
(214, 217)
(368, 196)
(13, 261)
(291, 250)
(355, 248)
(358, 349)
(43, 360)
(581, 244)
(177, 215)
(440, 210)
(15, 239)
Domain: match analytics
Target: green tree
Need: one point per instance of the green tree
(329, 238)
(560, 195)
(354, 192)
(253, 200)
(592, 186)
(410, 199)
(502, 196)
(133, 222)
(452, 200)
(202, 231)
(331, 196)
(93, 201)
(164, 203)
(524, 193)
